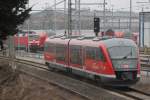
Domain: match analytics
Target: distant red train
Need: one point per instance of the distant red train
(112, 61)
(21, 40)
(37, 41)
(32, 41)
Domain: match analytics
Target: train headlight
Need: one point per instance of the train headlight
(103, 68)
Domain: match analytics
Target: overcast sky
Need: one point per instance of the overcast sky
(117, 4)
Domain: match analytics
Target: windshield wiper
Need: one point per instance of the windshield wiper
(125, 57)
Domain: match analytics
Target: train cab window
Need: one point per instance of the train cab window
(76, 55)
(61, 52)
(121, 52)
(99, 54)
(94, 53)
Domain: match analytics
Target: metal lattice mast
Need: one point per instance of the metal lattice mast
(28, 25)
(69, 17)
(77, 17)
(130, 22)
(104, 15)
(65, 17)
(55, 16)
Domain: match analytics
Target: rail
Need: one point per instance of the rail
(131, 93)
(145, 60)
(145, 64)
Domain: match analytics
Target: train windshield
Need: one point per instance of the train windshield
(33, 37)
(123, 52)
(123, 57)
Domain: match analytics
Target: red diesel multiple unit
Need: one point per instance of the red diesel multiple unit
(33, 41)
(37, 42)
(22, 38)
(112, 61)
(21, 41)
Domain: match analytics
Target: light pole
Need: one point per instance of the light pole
(104, 12)
(28, 48)
(77, 17)
(55, 16)
(130, 22)
(69, 17)
(65, 16)
(112, 15)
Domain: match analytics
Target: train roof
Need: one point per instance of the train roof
(119, 42)
(91, 41)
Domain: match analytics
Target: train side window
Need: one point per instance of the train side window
(61, 52)
(99, 54)
(51, 48)
(90, 53)
(76, 55)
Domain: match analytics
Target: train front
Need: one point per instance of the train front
(124, 57)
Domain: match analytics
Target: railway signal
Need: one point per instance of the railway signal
(96, 25)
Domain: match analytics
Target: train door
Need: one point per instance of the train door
(61, 54)
(49, 52)
(94, 59)
(76, 58)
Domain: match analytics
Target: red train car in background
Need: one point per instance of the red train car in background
(21, 40)
(32, 41)
(133, 36)
(36, 42)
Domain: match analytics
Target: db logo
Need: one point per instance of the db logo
(125, 66)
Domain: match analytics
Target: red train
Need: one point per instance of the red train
(37, 41)
(34, 41)
(21, 40)
(112, 61)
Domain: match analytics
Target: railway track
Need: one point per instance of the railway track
(77, 87)
(132, 93)
(43, 67)
(128, 92)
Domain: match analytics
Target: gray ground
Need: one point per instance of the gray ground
(19, 86)
(25, 87)
(143, 84)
